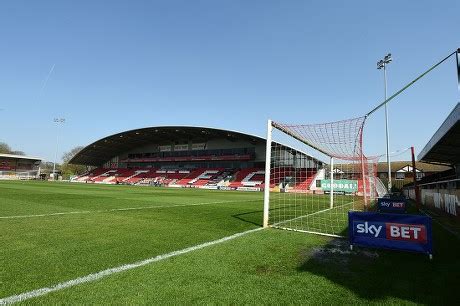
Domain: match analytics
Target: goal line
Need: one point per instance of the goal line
(278, 225)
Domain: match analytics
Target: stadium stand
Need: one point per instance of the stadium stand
(248, 177)
(304, 179)
(174, 156)
(19, 167)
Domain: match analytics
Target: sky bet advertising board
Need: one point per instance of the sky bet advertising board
(392, 205)
(390, 231)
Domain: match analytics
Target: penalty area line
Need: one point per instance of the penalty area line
(101, 274)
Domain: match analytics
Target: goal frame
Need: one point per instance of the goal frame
(268, 156)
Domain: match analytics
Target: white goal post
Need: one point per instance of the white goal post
(314, 175)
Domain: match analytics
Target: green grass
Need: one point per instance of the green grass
(269, 266)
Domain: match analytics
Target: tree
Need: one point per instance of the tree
(5, 148)
(48, 166)
(67, 156)
(71, 169)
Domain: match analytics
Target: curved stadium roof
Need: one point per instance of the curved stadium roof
(104, 149)
(444, 146)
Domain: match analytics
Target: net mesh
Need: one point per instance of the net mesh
(340, 139)
(318, 172)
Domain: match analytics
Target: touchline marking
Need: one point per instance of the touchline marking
(122, 209)
(95, 276)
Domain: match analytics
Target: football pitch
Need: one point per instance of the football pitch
(99, 244)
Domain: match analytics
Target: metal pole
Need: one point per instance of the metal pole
(408, 85)
(363, 170)
(55, 152)
(386, 127)
(58, 121)
(414, 169)
(268, 151)
(458, 68)
(332, 183)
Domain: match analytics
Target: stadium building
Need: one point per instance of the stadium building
(19, 167)
(402, 172)
(442, 190)
(189, 156)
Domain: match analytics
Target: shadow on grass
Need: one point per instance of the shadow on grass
(253, 217)
(391, 276)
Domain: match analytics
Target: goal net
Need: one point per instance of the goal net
(315, 174)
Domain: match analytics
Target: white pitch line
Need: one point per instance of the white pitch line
(122, 209)
(310, 232)
(316, 212)
(179, 205)
(95, 276)
(276, 225)
(46, 215)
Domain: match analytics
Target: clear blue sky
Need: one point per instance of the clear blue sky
(121, 65)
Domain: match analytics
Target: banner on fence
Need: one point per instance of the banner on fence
(390, 231)
(345, 186)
